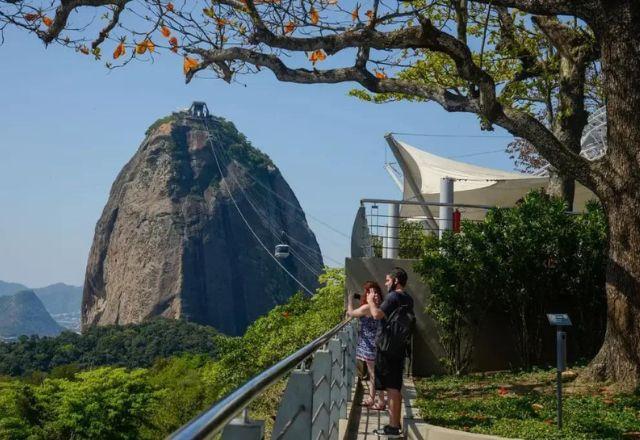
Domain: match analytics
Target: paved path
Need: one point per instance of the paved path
(366, 420)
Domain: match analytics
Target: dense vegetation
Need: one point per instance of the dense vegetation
(523, 405)
(519, 264)
(130, 346)
(113, 402)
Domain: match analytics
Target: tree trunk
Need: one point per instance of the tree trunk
(619, 357)
(561, 186)
(619, 32)
(571, 118)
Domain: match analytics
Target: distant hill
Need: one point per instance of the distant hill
(60, 298)
(24, 314)
(7, 288)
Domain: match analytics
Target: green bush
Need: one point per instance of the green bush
(130, 346)
(520, 263)
(108, 403)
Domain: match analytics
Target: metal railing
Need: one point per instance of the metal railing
(397, 228)
(314, 400)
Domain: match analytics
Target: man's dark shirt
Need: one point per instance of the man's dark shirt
(392, 301)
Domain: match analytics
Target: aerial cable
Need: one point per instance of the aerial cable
(480, 153)
(304, 263)
(478, 136)
(311, 250)
(264, 218)
(215, 155)
(297, 208)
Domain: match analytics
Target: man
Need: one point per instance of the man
(388, 367)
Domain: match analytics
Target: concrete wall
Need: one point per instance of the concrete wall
(494, 345)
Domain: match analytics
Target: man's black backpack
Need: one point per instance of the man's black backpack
(396, 332)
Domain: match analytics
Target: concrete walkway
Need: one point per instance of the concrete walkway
(364, 420)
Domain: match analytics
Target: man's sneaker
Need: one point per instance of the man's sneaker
(388, 432)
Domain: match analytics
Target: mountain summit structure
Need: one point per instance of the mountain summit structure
(172, 241)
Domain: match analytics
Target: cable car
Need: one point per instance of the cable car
(282, 249)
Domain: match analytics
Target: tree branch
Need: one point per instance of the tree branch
(451, 102)
(64, 10)
(571, 43)
(585, 9)
(104, 33)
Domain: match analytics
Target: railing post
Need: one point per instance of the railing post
(446, 212)
(351, 359)
(321, 374)
(393, 230)
(336, 382)
(242, 428)
(293, 420)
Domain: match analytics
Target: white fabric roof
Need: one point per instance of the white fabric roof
(474, 184)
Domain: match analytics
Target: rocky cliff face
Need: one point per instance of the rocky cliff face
(171, 243)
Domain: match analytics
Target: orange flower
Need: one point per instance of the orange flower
(369, 14)
(173, 41)
(503, 391)
(317, 55)
(47, 21)
(84, 50)
(313, 14)
(355, 14)
(221, 21)
(31, 17)
(170, 7)
(165, 31)
(380, 74)
(146, 45)
(289, 28)
(189, 65)
(120, 50)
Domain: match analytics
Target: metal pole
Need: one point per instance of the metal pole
(561, 338)
(385, 242)
(394, 228)
(446, 212)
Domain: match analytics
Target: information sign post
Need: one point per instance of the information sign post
(560, 321)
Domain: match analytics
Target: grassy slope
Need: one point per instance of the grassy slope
(523, 405)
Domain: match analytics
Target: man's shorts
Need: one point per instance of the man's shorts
(388, 371)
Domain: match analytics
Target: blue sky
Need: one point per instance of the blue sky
(68, 125)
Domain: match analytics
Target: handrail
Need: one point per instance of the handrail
(416, 203)
(212, 420)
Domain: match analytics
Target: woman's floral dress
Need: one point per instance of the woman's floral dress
(366, 349)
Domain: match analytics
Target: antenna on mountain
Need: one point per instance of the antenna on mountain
(199, 110)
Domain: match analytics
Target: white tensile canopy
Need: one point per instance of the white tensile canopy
(473, 184)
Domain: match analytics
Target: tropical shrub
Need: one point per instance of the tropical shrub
(520, 263)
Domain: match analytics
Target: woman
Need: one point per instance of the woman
(366, 349)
